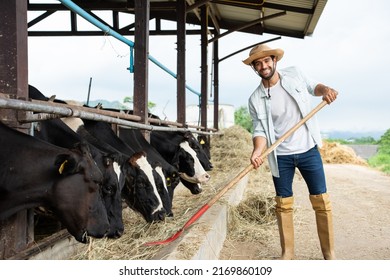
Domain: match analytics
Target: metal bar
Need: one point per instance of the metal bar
(196, 5)
(141, 50)
(40, 18)
(204, 67)
(66, 110)
(251, 46)
(107, 30)
(181, 61)
(249, 24)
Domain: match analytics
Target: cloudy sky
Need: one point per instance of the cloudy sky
(348, 51)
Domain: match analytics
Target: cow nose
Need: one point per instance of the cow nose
(170, 214)
(118, 233)
(206, 177)
(161, 215)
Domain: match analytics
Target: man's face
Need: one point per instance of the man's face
(265, 67)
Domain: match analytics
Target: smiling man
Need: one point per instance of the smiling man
(280, 101)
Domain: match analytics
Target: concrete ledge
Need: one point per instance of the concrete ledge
(215, 220)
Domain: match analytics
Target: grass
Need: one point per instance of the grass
(381, 161)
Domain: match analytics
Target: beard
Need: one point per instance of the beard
(269, 75)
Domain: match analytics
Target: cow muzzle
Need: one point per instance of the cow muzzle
(204, 178)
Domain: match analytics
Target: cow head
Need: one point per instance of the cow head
(195, 188)
(140, 191)
(189, 165)
(202, 149)
(111, 195)
(162, 188)
(75, 197)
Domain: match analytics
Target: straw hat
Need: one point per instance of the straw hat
(263, 50)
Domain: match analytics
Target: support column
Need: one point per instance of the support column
(216, 84)
(16, 232)
(203, 67)
(141, 62)
(181, 61)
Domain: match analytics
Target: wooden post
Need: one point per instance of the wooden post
(181, 61)
(204, 72)
(141, 61)
(16, 232)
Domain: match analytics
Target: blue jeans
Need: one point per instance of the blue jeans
(312, 170)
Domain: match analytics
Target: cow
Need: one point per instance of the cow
(35, 173)
(168, 173)
(182, 150)
(204, 142)
(138, 177)
(58, 133)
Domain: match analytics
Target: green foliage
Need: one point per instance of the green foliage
(243, 118)
(382, 159)
(360, 141)
(337, 140)
(129, 99)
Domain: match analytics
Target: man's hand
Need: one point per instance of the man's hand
(256, 160)
(329, 95)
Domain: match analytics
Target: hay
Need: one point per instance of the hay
(336, 153)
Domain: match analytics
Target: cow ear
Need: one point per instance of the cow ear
(187, 135)
(107, 160)
(65, 164)
(84, 147)
(133, 159)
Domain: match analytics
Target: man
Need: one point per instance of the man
(280, 101)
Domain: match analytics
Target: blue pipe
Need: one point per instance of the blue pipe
(107, 30)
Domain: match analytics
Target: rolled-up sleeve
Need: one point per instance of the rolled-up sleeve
(257, 122)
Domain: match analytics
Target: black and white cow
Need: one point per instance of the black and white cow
(36, 173)
(168, 173)
(55, 131)
(58, 133)
(182, 150)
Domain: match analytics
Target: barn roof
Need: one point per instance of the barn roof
(293, 18)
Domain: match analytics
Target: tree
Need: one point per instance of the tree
(129, 99)
(384, 143)
(243, 118)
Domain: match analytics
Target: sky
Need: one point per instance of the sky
(348, 51)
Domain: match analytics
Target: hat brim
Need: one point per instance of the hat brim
(278, 53)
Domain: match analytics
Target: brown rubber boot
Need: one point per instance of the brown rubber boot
(323, 209)
(284, 215)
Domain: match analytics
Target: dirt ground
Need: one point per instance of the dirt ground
(361, 200)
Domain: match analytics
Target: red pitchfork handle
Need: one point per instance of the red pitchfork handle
(236, 179)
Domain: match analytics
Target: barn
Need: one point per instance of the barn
(213, 19)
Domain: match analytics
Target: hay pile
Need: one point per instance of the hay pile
(337, 153)
(232, 148)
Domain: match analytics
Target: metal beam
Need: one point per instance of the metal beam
(141, 50)
(204, 67)
(246, 25)
(181, 61)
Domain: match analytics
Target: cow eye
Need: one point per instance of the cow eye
(108, 190)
